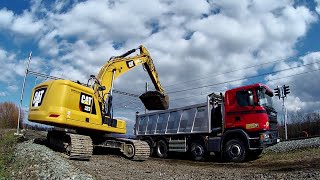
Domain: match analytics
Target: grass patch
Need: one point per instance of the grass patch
(7, 146)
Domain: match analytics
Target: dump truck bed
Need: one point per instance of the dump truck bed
(184, 120)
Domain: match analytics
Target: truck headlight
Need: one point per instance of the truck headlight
(264, 136)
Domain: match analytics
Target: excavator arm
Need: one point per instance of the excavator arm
(118, 65)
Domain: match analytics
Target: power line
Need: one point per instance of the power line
(57, 78)
(230, 81)
(134, 95)
(126, 101)
(43, 75)
(125, 93)
(218, 74)
(293, 75)
(181, 98)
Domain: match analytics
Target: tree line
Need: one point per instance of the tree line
(302, 125)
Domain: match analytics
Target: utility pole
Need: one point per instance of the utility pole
(284, 110)
(22, 91)
(282, 92)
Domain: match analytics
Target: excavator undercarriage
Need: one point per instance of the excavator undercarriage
(80, 147)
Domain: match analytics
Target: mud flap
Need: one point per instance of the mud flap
(155, 100)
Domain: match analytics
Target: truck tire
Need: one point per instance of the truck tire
(162, 149)
(235, 151)
(198, 151)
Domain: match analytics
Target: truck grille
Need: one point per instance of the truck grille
(273, 126)
(273, 123)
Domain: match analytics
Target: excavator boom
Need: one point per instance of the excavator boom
(118, 65)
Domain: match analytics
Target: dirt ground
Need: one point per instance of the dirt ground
(298, 164)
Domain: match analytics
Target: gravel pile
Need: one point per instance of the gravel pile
(39, 162)
(287, 146)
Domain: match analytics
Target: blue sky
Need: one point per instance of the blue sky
(188, 41)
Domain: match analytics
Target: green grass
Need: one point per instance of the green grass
(7, 146)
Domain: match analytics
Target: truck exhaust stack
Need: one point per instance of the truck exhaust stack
(155, 100)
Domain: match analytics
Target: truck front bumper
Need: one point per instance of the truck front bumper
(269, 138)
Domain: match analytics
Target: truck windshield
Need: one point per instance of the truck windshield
(264, 99)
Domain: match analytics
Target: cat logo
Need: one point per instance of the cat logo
(85, 102)
(86, 99)
(130, 64)
(38, 96)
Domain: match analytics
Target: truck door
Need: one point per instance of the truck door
(238, 108)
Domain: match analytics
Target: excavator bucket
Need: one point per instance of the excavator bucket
(155, 100)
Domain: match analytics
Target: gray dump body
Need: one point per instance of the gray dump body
(185, 120)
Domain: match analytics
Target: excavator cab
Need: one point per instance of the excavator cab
(155, 100)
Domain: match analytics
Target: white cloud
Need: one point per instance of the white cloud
(294, 104)
(6, 18)
(2, 94)
(26, 25)
(11, 68)
(187, 40)
(318, 6)
(187, 8)
(240, 34)
(302, 81)
(12, 88)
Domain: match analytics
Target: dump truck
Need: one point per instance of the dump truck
(82, 114)
(236, 125)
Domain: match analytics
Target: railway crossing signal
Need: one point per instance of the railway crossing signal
(277, 92)
(282, 92)
(286, 90)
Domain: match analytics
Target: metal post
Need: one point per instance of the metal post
(284, 110)
(22, 91)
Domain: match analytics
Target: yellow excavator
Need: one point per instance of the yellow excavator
(82, 114)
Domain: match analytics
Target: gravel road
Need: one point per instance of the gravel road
(285, 161)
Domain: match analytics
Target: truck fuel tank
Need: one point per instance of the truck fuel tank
(155, 100)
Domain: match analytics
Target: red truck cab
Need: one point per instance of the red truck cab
(250, 108)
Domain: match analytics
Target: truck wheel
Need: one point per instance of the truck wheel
(162, 149)
(151, 148)
(198, 151)
(235, 151)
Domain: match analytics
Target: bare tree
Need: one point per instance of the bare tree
(9, 113)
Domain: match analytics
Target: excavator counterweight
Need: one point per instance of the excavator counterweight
(155, 100)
